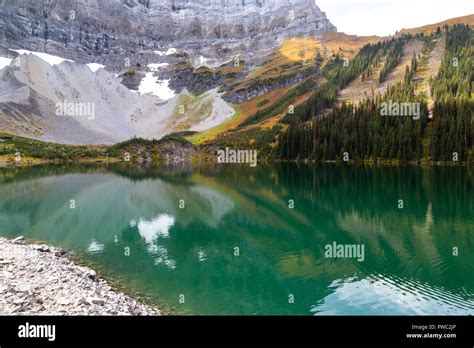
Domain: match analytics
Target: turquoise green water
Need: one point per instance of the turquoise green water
(236, 247)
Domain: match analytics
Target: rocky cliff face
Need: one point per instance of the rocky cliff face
(102, 29)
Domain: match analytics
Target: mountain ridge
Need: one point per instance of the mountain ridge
(104, 29)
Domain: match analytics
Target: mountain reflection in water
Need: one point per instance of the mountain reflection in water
(225, 237)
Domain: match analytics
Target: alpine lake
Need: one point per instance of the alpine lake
(279, 239)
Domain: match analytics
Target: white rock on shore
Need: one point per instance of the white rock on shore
(36, 279)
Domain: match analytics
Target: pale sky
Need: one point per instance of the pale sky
(385, 17)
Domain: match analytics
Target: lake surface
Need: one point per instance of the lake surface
(224, 240)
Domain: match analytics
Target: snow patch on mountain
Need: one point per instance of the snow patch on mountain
(5, 62)
(169, 52)
(48, 58)
(151, 85)
(95, 66)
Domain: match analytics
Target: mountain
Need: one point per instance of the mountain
(270, 75)
(149, 68)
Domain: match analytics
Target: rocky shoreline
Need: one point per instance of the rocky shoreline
(36, 279)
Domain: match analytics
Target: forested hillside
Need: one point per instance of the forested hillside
(362, 132)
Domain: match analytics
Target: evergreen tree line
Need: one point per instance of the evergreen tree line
(452, 129)
(359, 132)
(394, 56)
